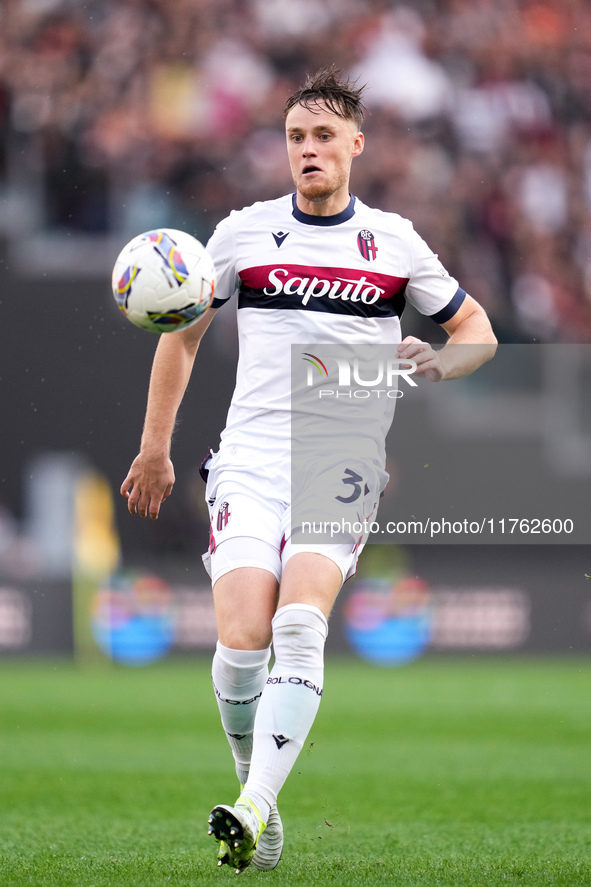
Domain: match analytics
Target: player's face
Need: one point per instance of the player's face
(321, 147)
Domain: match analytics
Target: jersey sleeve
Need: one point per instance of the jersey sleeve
(221, 247)
(431, 289)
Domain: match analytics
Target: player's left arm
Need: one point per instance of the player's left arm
(471, 343)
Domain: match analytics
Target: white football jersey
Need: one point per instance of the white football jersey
(310, 279)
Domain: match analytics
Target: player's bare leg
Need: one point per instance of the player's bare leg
(310, 579)
(245, 602)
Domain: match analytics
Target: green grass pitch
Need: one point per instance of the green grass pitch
(444, 772)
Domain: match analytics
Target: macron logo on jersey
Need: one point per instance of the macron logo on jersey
(280, 237)
(335, 290)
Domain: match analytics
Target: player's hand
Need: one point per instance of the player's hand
(426, 358)
(149, 482)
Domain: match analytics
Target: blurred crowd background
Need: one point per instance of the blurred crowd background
(126, 113)
(117, 116)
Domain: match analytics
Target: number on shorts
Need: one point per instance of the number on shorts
(353, 479)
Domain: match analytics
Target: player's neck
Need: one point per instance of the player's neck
(331, 206)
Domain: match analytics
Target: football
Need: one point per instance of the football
(163, 280)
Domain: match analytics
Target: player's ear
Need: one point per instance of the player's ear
(358, 144)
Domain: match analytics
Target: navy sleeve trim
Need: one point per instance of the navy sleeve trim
(451, 308)
(217, 303)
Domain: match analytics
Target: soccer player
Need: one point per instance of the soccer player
(320, 267)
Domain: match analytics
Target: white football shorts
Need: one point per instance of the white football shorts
(250, 529)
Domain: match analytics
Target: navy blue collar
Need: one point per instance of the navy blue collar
(308, 219)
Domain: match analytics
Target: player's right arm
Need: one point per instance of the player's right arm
(151, 477)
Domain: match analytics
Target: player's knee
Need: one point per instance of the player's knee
(245, 637)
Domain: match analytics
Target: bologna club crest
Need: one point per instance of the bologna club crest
(224, 514)
(367, 245)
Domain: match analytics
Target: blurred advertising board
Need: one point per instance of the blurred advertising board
(403, 603)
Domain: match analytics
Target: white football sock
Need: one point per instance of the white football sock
(289, 702)
(239, 677)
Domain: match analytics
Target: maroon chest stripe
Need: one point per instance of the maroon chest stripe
(361, 292)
